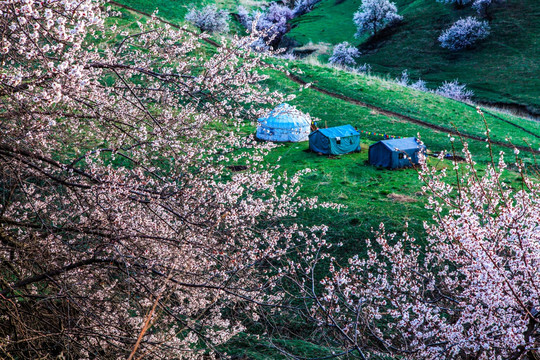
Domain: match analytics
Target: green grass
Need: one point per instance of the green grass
(348, 179)
(504, 68)
(371, 195)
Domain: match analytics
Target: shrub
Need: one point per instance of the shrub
(375, 15)
(455, 90)
(344, 54)
(419, 85)
(465, 33)
(209, 19)
(404, 79)
(362, 69)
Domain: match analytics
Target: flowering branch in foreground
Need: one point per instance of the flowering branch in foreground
(116, 194)
(470, 292)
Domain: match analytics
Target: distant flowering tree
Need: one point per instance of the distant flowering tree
(375, 15)
(454, 90)
(344, 54)
(483, 6)
(464, 33)
(124, 230)
(271, 24)
(209, 19)
(470, 292)
(302, 7)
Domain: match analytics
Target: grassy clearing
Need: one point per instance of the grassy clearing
(504, 68)
(372, 195)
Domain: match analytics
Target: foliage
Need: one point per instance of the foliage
(471, 292)
(413, 46)
(454, 90)
(209, 19)
(270, 24)
(122, 228)
(464, 33)
(375, 15)
(419, 85)
(344, 54)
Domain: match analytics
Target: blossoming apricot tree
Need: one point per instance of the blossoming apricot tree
(122, 228)
(470, 292)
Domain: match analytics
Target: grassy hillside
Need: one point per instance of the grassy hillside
(372, 195)
(504, 68)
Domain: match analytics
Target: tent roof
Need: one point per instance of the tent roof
(339, 131)
(410, 143)
(285, 116)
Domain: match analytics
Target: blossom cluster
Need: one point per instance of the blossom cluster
(471, 291)
(375, 15)
(464, 33)
(121, 213)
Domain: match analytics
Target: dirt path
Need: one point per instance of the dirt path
(506, 121)
(390, 113)
(350, 100)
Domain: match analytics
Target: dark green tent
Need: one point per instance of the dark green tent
(396, 153)
(335, 141)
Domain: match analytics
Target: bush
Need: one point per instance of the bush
(455, 90)
(362, 69)
(375, 15)
(344, 54)
(404, 79)
(465, 33)
(419, 85)
(209, 19)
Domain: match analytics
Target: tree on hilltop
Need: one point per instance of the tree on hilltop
(375, 15)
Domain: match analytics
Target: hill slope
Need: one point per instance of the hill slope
(372, 195)
(502, 69)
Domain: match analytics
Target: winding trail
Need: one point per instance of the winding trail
(350, 100)
(390, 113)
(504, 120)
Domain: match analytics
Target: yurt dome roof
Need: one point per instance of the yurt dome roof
(285, 116)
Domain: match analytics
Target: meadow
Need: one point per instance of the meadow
(371, 195)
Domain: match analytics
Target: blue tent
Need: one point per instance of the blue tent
(395, 153)
(335, 141)
(284, 123)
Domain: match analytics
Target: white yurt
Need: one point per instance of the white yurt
(284, 123)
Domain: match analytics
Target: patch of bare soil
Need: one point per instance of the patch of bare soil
(401, 198)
